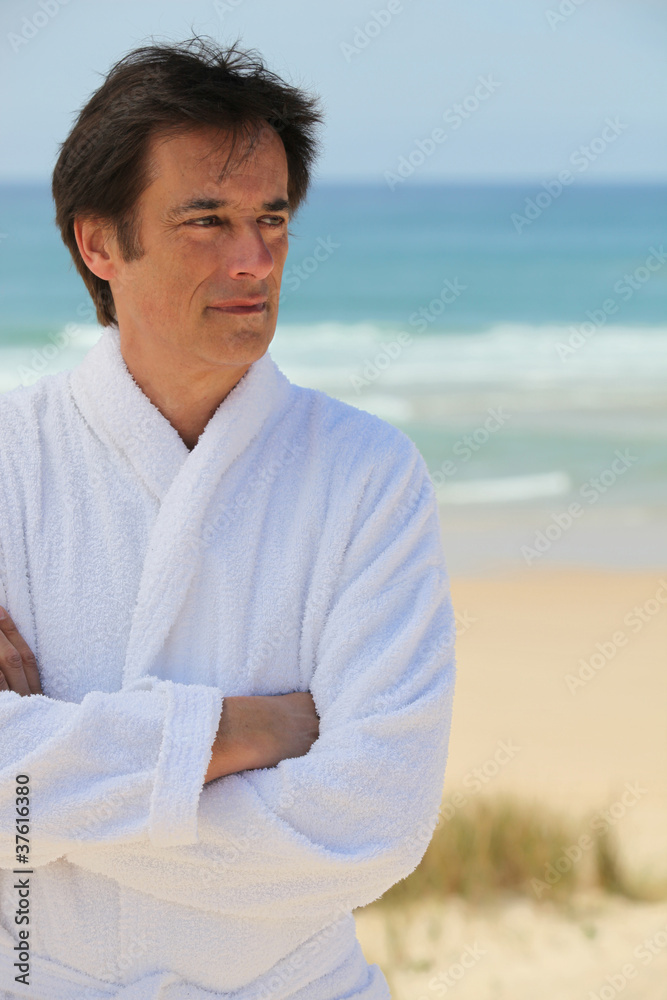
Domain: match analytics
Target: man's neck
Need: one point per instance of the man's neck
(185, 393)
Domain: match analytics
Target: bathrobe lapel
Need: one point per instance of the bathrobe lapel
(183, 482)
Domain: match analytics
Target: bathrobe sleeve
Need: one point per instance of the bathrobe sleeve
(118, 768)
(338, 826)
(355, 814)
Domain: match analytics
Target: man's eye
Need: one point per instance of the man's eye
(206, 222)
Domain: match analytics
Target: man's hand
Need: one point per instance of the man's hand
(18, 666)
(261, 730)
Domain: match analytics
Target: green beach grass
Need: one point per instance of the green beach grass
(505, 845)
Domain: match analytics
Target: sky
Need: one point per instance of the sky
(487, 90)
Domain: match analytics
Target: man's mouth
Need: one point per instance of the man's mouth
(241, 308)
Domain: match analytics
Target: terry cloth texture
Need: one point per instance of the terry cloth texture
(295, 548)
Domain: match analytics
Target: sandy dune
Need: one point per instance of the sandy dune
(602, 948)
(570, 667)
(561, 698)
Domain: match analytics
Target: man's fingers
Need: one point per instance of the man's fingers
(26, 654)
(17, 661)
(11, 666)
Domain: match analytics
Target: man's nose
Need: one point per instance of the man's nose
(248, 254)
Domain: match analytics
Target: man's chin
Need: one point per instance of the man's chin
(242, 346)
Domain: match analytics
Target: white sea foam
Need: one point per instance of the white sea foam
(371, 364)
(439, 388)
(507, 353)
(26, 364)
(505, 488)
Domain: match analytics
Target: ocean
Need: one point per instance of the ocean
(516, 333)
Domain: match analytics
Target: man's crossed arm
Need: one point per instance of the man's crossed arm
(254, 731)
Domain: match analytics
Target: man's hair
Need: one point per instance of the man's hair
(162, 90)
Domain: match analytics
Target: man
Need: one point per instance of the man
(226, 656)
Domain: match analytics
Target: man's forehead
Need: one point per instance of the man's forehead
(217, 151)
(209, 173)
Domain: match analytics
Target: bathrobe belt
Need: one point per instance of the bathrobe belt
(50, 980)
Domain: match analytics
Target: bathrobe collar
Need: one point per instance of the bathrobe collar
(185, 482)
(125, 419)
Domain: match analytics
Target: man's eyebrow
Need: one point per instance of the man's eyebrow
(212, 204)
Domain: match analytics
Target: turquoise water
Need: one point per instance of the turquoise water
(435, 308)
(395, 250)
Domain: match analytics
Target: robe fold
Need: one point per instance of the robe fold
(295, 548)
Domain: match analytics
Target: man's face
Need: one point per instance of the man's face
(202, 256)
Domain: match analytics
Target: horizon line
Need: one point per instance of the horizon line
(458, 181)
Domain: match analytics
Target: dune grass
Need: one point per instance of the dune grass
(504, 845)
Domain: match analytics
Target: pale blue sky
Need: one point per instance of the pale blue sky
(556, 78)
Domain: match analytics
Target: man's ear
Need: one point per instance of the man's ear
(96, 246)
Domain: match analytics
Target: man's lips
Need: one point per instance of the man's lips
(241, 306)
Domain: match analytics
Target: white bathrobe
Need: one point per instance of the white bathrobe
(295, 548)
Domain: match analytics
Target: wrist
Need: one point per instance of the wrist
(239, 741)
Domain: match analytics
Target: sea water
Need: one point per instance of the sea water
(518, 336)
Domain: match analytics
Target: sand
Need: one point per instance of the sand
(602, 948)
(561, 698)
(569, 670)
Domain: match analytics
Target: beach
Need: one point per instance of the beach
(570, 666)
(598, 949)
(539, 716)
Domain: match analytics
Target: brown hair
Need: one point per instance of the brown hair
(102, 169)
